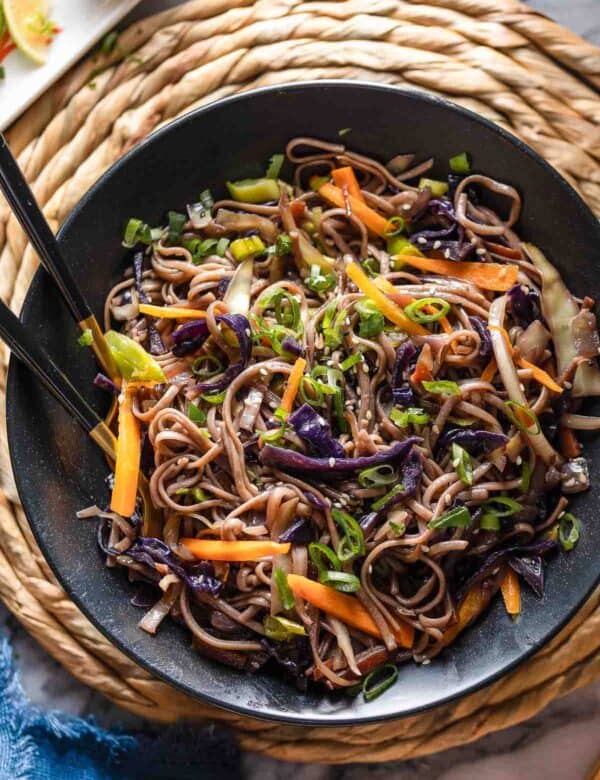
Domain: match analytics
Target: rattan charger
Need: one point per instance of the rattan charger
(497, 57)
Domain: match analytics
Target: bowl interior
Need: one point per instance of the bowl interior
(59, 471)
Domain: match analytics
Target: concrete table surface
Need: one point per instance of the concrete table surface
(561, 743)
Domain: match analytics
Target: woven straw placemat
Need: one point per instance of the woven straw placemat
(497, 57)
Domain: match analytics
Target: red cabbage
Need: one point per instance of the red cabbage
(524, 305)
(241, 327)
(475, 442)
(311, 427)
(104, 383)
(536, 549)
(189, 337)
(485, 347)
(410, 476)
(532, 571)
(323, 468)
(439, 214)
(157, 346)
(402, 393)
(292, 346)
(199, 576)
(301, 531)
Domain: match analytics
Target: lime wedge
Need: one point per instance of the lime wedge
(28, 25)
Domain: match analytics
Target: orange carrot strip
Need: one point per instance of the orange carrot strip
(217, 550)
(345, 608)
(505, 336)
(489, 372)
(374, 221)
(345, 177)
(568, 444)
(171, 312)
(541, 376)
(511, 592)
(422, 372)
(298, 209)
(129, 451)
(388, 308)
(473, 605)
(488, 276)
(293, 383)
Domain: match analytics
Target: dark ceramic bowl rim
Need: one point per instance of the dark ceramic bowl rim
(334, 719)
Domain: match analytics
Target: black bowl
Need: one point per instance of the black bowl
(59, 471)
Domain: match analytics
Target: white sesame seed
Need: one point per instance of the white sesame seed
(369, 415)
(447, 254)
(349, 403)
(358, 391)
(480, 251)
(561, 515)
(263, 372)
(421, 240)
(337, 505)
(365, 367)
(406, 207)
(332, 462)
(326, 351)
(425, 661)
(329, 363)
(448, 499)
(371, 569)
(518, 460)
(437, 244)
(522, 386)
(567, 385)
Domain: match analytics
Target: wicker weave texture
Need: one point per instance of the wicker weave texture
(497, 57)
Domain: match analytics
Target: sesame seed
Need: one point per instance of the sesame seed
(522, 386)
(369, 415)
(365, 367)
(518, 460)
(332, 462)
(263, 372)
(421, 240)
(561, 515)
(358, 391)
(448, 499)
(406, 207)
(447, 254)
(349, 403)
(329, 363)
(437, 244)
(337, 505)
(326, 351)
(425, 661)
(371, 569)
(568, 385)
(480, 251)
(248, 332)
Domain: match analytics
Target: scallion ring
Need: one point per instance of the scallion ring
(513, 410)
(442, 386)
(280, 629)
(381, 502)
(462, 464)
(323, 557)
(377, 476)
(394, 227)
(352, 542)
(459, 517)
(569, 529)
(378, 681)
(340, 580)
(417, 311)
(286, 594)
(206, 366)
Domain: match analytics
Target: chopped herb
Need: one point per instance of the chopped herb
(318, 281)
(196, 414)
(411, 416)
(398, 529)
(341, 580)
(86, 339)
(371, 320)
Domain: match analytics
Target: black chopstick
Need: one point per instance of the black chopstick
(25, 347)
(25, 207)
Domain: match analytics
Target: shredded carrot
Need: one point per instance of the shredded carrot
(568, 444)
(541, 376)
(489, 372)
(387, 307)
(374, 221)
(472, 606)
(422, 372)
(503, 251)
(403, 299)
(344, 607)
(345, 178)
(504, 333)
(293, 383)
(511, 592)
(129, 451)
(217, 550)
(488, 276)
(298, 209)
(171, 312)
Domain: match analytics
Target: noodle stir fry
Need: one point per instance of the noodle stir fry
(354, 391)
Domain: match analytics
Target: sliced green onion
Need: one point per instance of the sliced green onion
(340, 580)
(398, 529)
(313, 392)
(352, 543)
(108, 43)
(200, 369)
(411, 416)
(138, 231)
(281, 414)
(378, 681)
(207, 200)
(280, 629)
(459, 517)
(323, 557)
(351, 361)
(372, 320)
(344, 131)
(460, 163)
(213, 398)
(508, 506)
(438, 188)
(525, 476)
(176, 224)
(399, 245)
(196, 414)
(250, 246)
(133, 362)
(442, 386)
(381, 502)
(86, 339)
(416, 311)
(283, 244)
(490, 522)
(273, 435)
(318, 281)
(203, 247)
(285, 307)
(521, 409)
(569, 529)
(197, 494)
(275, 165)
(331, 325)
(335, 382)
(221, 247)
(462, 464)
(377, 476)
(371, 266)
(395, 226)
(286, 594)
(254, 190)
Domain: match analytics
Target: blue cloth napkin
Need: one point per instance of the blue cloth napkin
(37, 745)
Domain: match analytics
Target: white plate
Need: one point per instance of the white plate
(83, 23)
